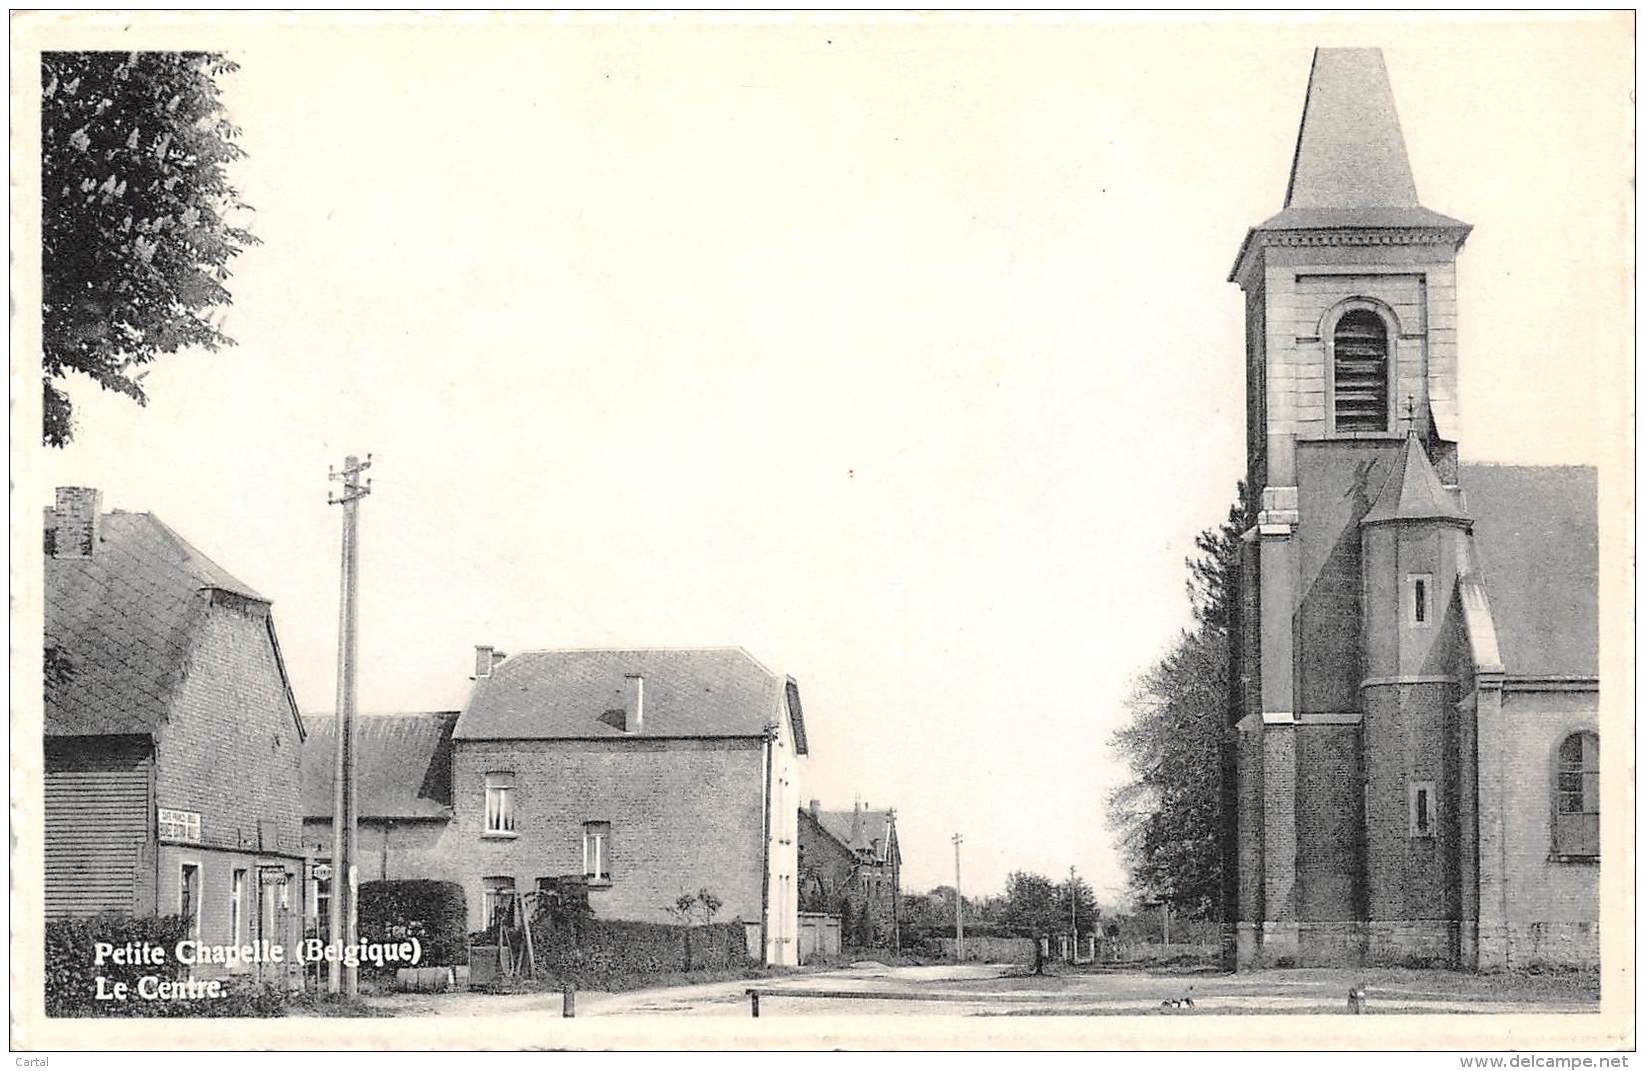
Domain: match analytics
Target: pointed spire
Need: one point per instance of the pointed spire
(1350, 170)
(1412, 491)
(1350, 151)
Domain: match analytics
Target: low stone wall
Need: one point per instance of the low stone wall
(990, 949)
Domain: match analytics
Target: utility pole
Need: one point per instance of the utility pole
(959, 905)
(345, 876)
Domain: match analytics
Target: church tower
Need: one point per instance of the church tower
(1349, 818)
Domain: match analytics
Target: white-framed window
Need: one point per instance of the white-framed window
(597, 851)
(188, 898)
(180, 825)
(497, 902)
(237, 907)
(1424, 809)
(499, 805)
(1576, 796)
(1419, 600)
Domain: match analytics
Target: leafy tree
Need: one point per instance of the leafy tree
(137, 216)
(1085, 912)
(1213, 575)
(1032, 904)
(1169, 814)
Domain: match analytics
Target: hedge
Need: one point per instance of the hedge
(72, 972)
(434, 912)
(597, 950)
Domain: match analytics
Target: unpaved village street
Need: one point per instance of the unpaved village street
(1002, 990)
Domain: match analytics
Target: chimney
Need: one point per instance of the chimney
(635, 723)
(77, 522)
(816, 805)
(484, 656)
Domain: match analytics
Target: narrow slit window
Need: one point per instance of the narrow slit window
(1424, 817)
(1359, 372)
(1419, 589)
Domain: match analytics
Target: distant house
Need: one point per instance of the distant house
(403, 790)
(851, 865)
(172, 741)
(646, 773)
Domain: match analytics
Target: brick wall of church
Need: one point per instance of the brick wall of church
(1328, 822)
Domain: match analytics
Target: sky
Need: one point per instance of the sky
(899, 352)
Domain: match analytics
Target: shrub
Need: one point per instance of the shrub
(599, 951)
(434, 912)
(72, 972)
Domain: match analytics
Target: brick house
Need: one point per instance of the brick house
(850, 865)
(650, 773)
(1414, 765)
(172, 741)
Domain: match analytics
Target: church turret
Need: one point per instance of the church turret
(1410, 540)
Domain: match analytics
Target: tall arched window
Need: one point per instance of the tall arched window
(1359, 372)
(1576, 796)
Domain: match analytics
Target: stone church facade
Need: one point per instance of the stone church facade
(1413, 768)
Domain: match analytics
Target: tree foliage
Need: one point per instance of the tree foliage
(137, 216)
(1213, 573)
(1169, 814)
(1035, 904)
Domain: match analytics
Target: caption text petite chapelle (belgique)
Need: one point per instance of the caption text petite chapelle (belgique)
(191, 953)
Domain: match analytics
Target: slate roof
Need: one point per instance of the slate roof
(124, 620)
(1350, 170)
(1350, 150)
(1536, 541)
(570, 694)
(1412, 491)
(402, 765)
(874, 830)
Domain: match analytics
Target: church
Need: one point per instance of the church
(1412, 774)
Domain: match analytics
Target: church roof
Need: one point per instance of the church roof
(1536, 537)
(1412, 491)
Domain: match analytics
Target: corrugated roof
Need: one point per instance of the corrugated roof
(1412, 491)
(546, 695)
(1536, 540)
(123, 621)
(402, 765)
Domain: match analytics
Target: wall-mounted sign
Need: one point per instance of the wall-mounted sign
(180, 825)
(322, 872)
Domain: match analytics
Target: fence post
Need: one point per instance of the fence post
(754, 1002)
(568, 1001)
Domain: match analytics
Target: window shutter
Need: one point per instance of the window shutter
(1359, 370)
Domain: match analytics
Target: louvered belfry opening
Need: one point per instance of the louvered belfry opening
(1360, 372)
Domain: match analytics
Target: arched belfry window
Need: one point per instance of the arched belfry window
(1576, 796)
(1359, 372)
